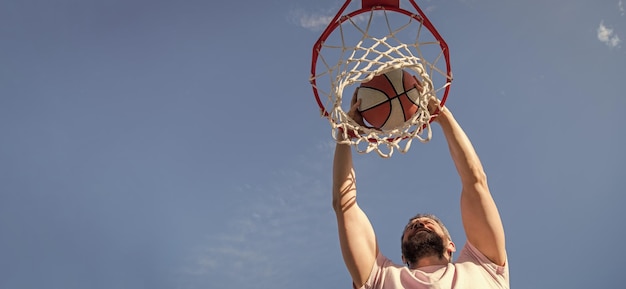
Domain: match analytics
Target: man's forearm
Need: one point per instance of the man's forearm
(344, 187)
(463, 154)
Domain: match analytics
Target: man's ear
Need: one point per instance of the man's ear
(451, 248)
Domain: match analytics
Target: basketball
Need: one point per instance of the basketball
(389, 99)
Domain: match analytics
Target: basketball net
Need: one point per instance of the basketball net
(351, 60)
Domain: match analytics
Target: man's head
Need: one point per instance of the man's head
(426, 236)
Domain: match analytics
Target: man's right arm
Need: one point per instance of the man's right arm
(356, 235)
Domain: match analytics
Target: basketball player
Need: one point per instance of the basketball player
(426, 245)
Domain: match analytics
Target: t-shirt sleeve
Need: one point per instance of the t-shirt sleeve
(469, 253)
(376, 274)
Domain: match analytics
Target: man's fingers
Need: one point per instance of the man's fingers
(355, 106)
(353, 101)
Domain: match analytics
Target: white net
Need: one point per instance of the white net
(368, 45)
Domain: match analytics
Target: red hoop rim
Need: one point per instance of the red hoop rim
(368, 6)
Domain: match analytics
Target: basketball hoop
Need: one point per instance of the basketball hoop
(370, 41)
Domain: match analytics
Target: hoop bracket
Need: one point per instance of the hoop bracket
(366, 4)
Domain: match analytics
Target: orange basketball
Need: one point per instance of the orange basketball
(390, 99)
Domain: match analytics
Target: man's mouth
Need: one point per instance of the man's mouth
(422, 230)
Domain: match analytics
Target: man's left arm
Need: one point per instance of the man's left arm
(481, 219)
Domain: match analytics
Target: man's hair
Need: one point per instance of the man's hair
(432, 217)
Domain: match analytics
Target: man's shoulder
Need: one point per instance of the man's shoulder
(472, 265)
(469, 254)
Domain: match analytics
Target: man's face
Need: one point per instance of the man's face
(423, 237)
(422, 224)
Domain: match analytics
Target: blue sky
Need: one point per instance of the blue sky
(161, 144)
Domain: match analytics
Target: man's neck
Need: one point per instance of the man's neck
(429, 261)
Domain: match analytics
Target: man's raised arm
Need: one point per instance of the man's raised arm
(356, 235)
(481, 219)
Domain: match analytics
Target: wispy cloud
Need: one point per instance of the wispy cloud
(431, 8)
(607, 36)
(311, 21)
(319, 21)
(620, 6)
(278, 225)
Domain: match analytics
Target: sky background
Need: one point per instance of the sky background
(177, 144)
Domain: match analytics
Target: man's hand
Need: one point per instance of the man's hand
(435, 108)
(354, 113)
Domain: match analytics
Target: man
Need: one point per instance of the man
(426, 245)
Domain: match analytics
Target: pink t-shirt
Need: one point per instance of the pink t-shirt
(472, 270)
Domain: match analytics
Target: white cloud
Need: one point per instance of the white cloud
(607, 36)
(278, 224)
(620, 6)
(430, 9)
(315, 22)
(318, 22)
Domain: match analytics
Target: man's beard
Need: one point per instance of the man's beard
(423, 244)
